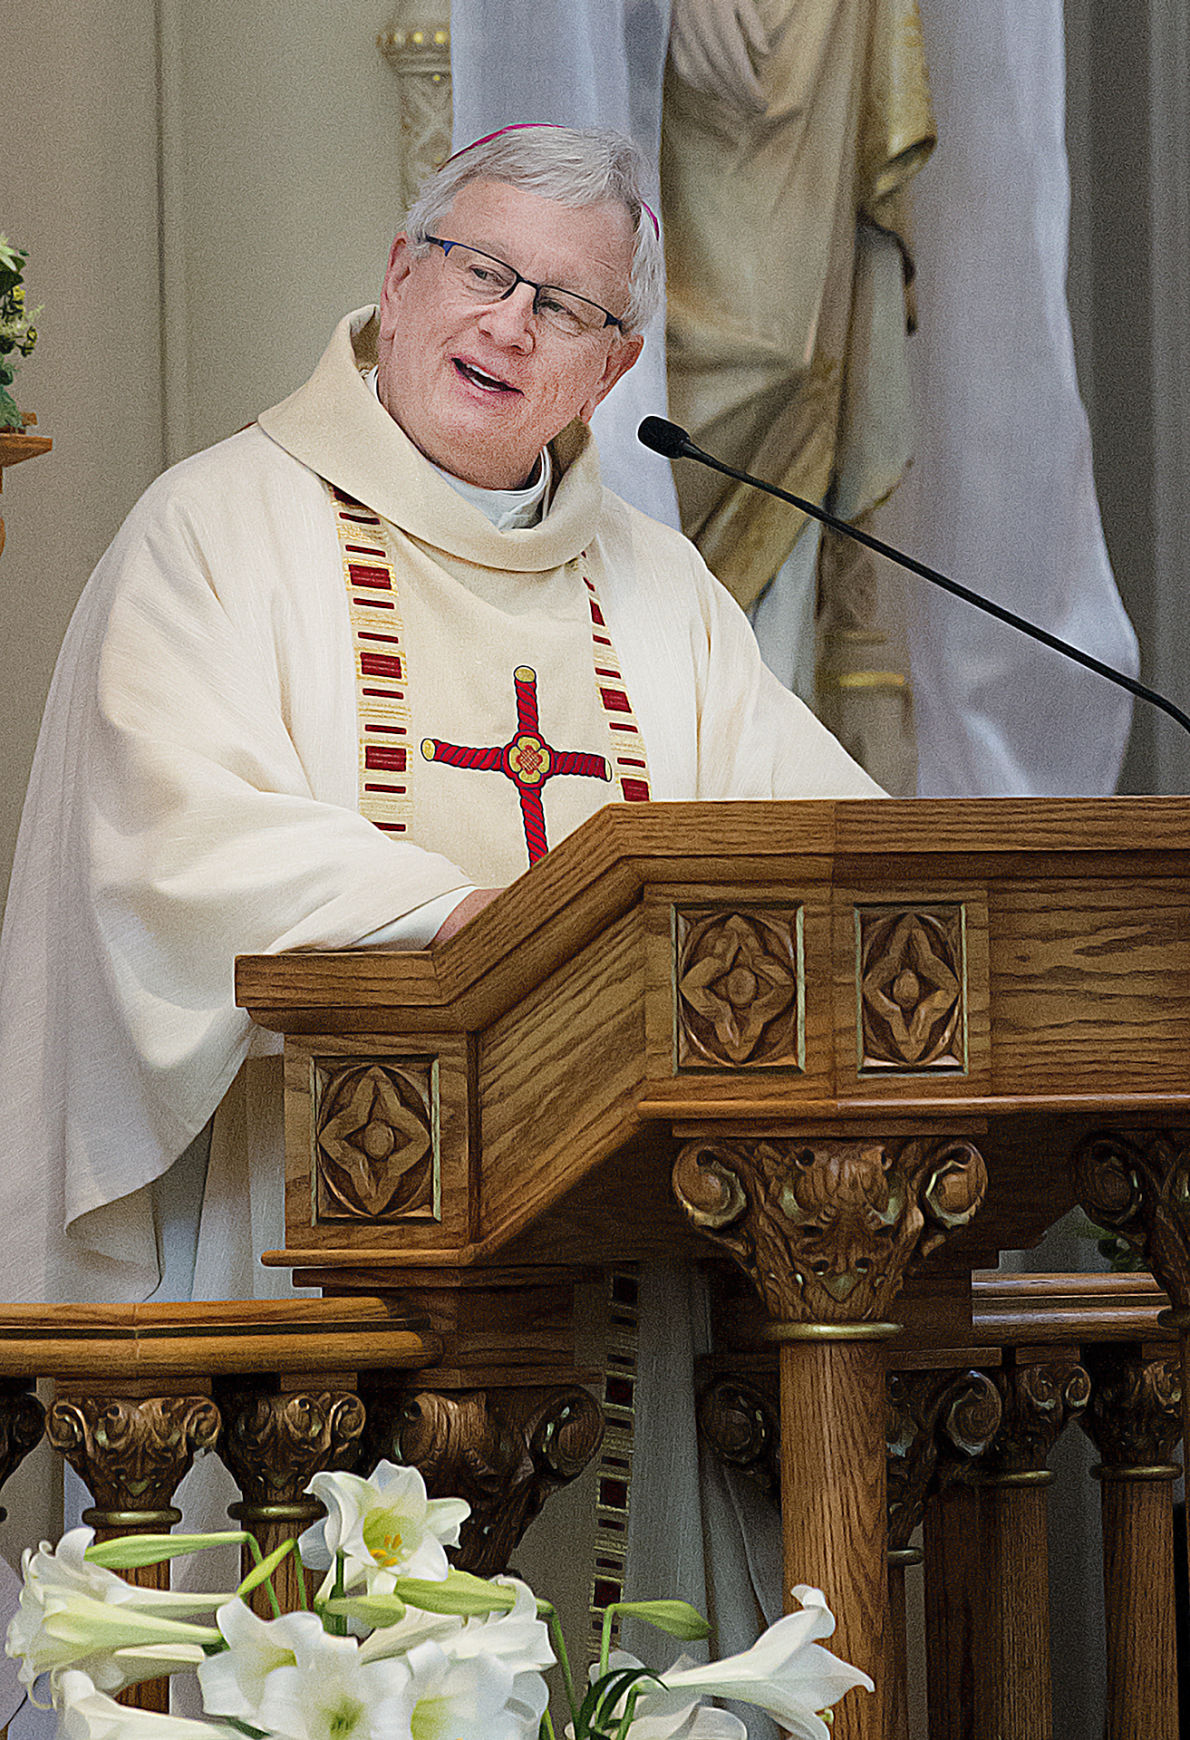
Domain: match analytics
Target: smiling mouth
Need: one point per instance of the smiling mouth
(487, 383)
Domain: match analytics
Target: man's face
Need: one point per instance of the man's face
(481, 388)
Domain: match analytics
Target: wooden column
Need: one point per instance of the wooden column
(132, 1449)
(1015, 1697)
(825, 1228)
(278, 1434)
(954, 1613)
(1134, 1422)
(938, 1421)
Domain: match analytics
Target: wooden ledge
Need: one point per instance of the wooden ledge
(132, 1342)
(15, 445)
(1010, 1309)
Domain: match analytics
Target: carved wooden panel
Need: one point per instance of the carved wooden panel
(739, 987)
(375, 1140)
(911, 983)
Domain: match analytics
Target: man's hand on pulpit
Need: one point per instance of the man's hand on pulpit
(464, 911)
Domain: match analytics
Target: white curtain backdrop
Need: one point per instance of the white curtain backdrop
(582, 63)
(1002, 495)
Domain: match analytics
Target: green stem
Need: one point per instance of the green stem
(559, 1643)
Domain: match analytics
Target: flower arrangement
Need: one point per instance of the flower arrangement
(397, 1646)
(18, 334)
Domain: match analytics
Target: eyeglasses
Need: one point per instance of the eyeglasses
(483, 278)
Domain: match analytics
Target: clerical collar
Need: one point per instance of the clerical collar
(509, 510)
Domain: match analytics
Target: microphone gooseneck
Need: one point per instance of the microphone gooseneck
(662, 436)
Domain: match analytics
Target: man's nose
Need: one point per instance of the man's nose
(510, 321)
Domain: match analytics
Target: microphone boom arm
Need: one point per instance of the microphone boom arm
(687, 449)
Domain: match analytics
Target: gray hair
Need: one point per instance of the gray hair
(577, 169)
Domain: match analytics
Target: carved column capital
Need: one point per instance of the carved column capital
(1137, 1184)
(825, 1229)
(1039, 1402)
(22, 1422)
(504, 1451)
(1135, 1416)
(741, 1421)
(275, 1441)
(131, 1452)
(937, 1421)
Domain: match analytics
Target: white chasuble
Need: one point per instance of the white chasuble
(200, 786)
(486, 731)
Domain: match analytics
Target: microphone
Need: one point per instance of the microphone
(661, 436)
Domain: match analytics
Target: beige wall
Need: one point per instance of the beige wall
(203, 190)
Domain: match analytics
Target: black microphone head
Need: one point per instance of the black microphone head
(664, 437)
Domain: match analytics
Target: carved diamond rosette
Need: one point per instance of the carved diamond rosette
(738, 988)
(376, 1140)
(826, 1232)
(912, 991)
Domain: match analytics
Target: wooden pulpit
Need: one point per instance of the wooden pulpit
(851, 1051)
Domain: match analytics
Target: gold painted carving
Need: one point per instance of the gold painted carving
(741, 1422)
(937, 1422)
(417, 47)
(275, 1442)
(504, 1451)
(374, 1141)
(1039, 1403)
(825, 1232)
(1135, 1416)
(739, 992)
(1137, 1184)
(912, 990)
(132, 1454)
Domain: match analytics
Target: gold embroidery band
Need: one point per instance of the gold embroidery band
(629, 761)
(381, 677)
(613, 1481)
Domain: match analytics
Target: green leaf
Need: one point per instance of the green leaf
(131, 1551)
(459, 1593)
(677, 1618)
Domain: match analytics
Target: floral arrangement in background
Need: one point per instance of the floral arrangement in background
(18, 334)
(397, 1645)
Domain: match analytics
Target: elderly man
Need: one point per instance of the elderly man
(337, 679)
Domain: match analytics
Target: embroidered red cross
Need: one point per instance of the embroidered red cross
(526, 759)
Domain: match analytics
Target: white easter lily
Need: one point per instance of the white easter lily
(233, 1682)
(328, 1693)
(786, 1672)
(385, 1528)
(87, 1714)
(476, 1698)
(74, 1614)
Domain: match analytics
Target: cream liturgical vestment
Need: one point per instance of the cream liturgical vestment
(209, 761)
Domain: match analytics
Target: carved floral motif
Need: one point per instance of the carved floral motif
(275, 1441)
(738, 989)
(504, 1451)
(826, 1232)
(1039, 1401)
(1135, 1416)
(132, 1454)
(911, 989)
(374, 1142)
(741, 1422)
(417, 47)
(936, 1422)
(1137, 1183)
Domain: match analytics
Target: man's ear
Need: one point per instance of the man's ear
(399, 261)
(620, 359)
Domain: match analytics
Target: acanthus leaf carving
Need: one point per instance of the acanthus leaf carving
(1137, 1183)
(1039, 1403)
(22, 1422)
(937, 1421)
(1135, 1416)
(504, 1451)
(826, 1231)
(132, 1453)
(275, 1441)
